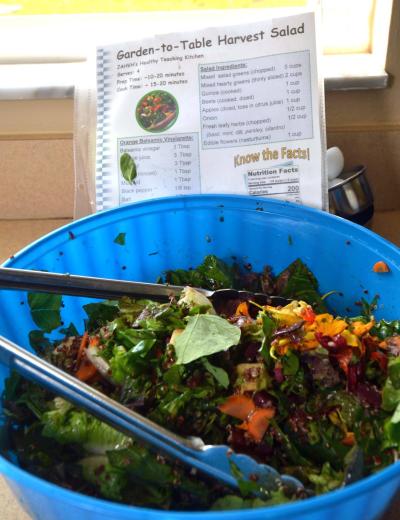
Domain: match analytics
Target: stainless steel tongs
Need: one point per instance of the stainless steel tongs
(68, 284)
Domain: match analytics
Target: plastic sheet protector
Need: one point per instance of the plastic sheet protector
(236, 109)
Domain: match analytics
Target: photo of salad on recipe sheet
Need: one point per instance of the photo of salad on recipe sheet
(157, 111)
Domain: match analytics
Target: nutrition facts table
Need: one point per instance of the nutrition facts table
(164, 164)
(259, 100)
(281, 182)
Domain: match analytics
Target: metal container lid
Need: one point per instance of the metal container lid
(346, 177)
(350, 196)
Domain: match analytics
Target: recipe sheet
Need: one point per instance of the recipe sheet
(234, 109)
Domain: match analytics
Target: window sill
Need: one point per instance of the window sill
(40, 81)
(357, 82)
(353, 72)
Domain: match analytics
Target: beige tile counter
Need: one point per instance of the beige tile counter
(15, 234)
(9, 506)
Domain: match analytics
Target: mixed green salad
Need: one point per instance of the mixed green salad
(315, 395)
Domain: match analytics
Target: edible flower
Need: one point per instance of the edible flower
(360, 328)
(327, 325)
(287, 315)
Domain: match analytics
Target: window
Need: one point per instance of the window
(55, 31)
(355, 35)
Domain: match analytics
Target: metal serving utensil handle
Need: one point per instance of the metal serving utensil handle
(116, 415)
(89, 286)
(68, 284)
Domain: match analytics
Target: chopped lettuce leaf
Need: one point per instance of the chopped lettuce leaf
(67, 424)
(327, 480)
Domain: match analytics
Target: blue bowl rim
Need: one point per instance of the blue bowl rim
(279, 511)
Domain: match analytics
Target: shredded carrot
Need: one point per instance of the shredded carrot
(349, 439)
(86, 371)
(257, 423)
(242, 309)
(82, 347)
(380, 267)
(238, 406)
(94, 341)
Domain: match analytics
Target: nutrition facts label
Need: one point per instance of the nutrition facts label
(229, 109)
(262, 100)
(281, 182)
(164, 164)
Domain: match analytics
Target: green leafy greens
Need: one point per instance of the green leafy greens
(218, 373)
(45, 310)
(299, 283)
(120, 239)
(213, 273)
(205, 334)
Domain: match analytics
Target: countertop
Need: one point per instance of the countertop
(16, 234)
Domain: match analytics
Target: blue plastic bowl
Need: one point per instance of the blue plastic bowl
(178, 232)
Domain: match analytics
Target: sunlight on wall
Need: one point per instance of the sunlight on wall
(27, 7)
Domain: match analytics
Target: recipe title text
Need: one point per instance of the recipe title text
(201, 43)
